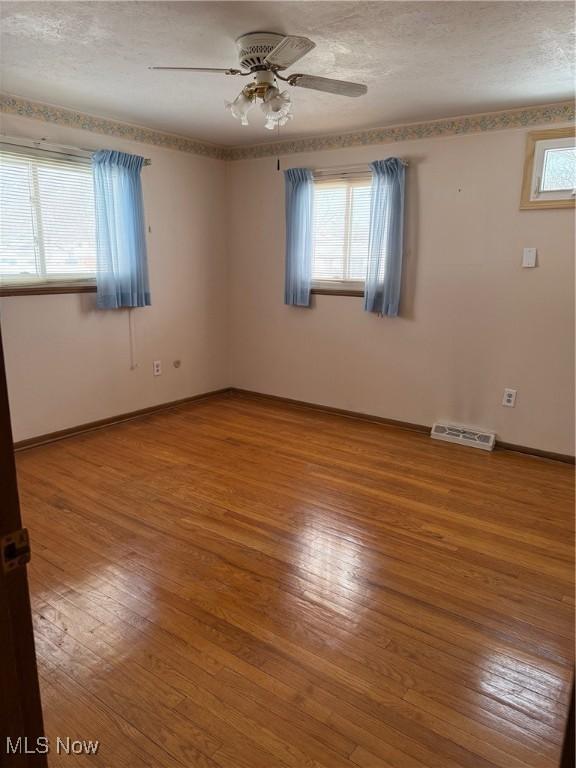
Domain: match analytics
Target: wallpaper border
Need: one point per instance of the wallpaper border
(14, 105)
(478, 123)
(488, 121)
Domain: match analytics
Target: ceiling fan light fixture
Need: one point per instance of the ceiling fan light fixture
(272, 123)
(276, 107)
(263, 56)
(240, 107)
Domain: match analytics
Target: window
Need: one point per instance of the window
(47, 219)
(550, 169)
(340, 232)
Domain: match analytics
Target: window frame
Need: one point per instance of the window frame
(340, 287)
(536, 142)
(58, 284)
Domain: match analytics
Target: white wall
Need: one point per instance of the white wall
(473, 321)
(68, 363)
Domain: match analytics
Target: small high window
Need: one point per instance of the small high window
(550, 170)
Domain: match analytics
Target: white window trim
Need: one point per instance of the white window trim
(358, 174)
(536, 192)
(537, 144)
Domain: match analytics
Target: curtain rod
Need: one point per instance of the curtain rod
(358, 168)
(20, 141)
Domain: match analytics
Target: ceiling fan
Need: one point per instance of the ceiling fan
(264, 55)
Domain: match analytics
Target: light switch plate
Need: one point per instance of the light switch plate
(529, 257)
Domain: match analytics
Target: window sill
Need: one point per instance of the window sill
(47, 289)
(526, 205)
(337, 292)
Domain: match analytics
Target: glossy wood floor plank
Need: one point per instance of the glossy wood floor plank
(246, 584)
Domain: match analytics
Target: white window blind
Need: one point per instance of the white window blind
(47, 217)
(340, 232)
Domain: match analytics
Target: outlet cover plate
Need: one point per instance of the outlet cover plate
(509, 398)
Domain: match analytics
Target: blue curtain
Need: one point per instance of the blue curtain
(121, 264)
(299, 196)
(384, 275)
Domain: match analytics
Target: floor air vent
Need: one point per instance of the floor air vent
(463, 435)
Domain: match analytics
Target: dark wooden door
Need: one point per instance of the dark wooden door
(20, 710)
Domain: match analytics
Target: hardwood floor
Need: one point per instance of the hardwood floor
(239, 583)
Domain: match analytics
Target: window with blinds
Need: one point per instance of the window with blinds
(47, 218)
(340, 232)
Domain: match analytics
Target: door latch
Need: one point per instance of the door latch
(15, 550)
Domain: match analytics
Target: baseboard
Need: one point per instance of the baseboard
(336, 411)
(62, 434)
(500, 445)
(566, 458)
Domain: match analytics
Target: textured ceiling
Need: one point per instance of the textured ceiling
(420, 60)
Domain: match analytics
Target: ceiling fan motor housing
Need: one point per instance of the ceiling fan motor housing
(254, 47)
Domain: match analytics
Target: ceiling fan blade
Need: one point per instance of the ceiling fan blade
(327, 84)
(200, 69)
(289, 51)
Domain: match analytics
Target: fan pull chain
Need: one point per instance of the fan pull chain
(278, 138)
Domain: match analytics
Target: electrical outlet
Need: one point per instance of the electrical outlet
(509, 398)
(157, 367)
